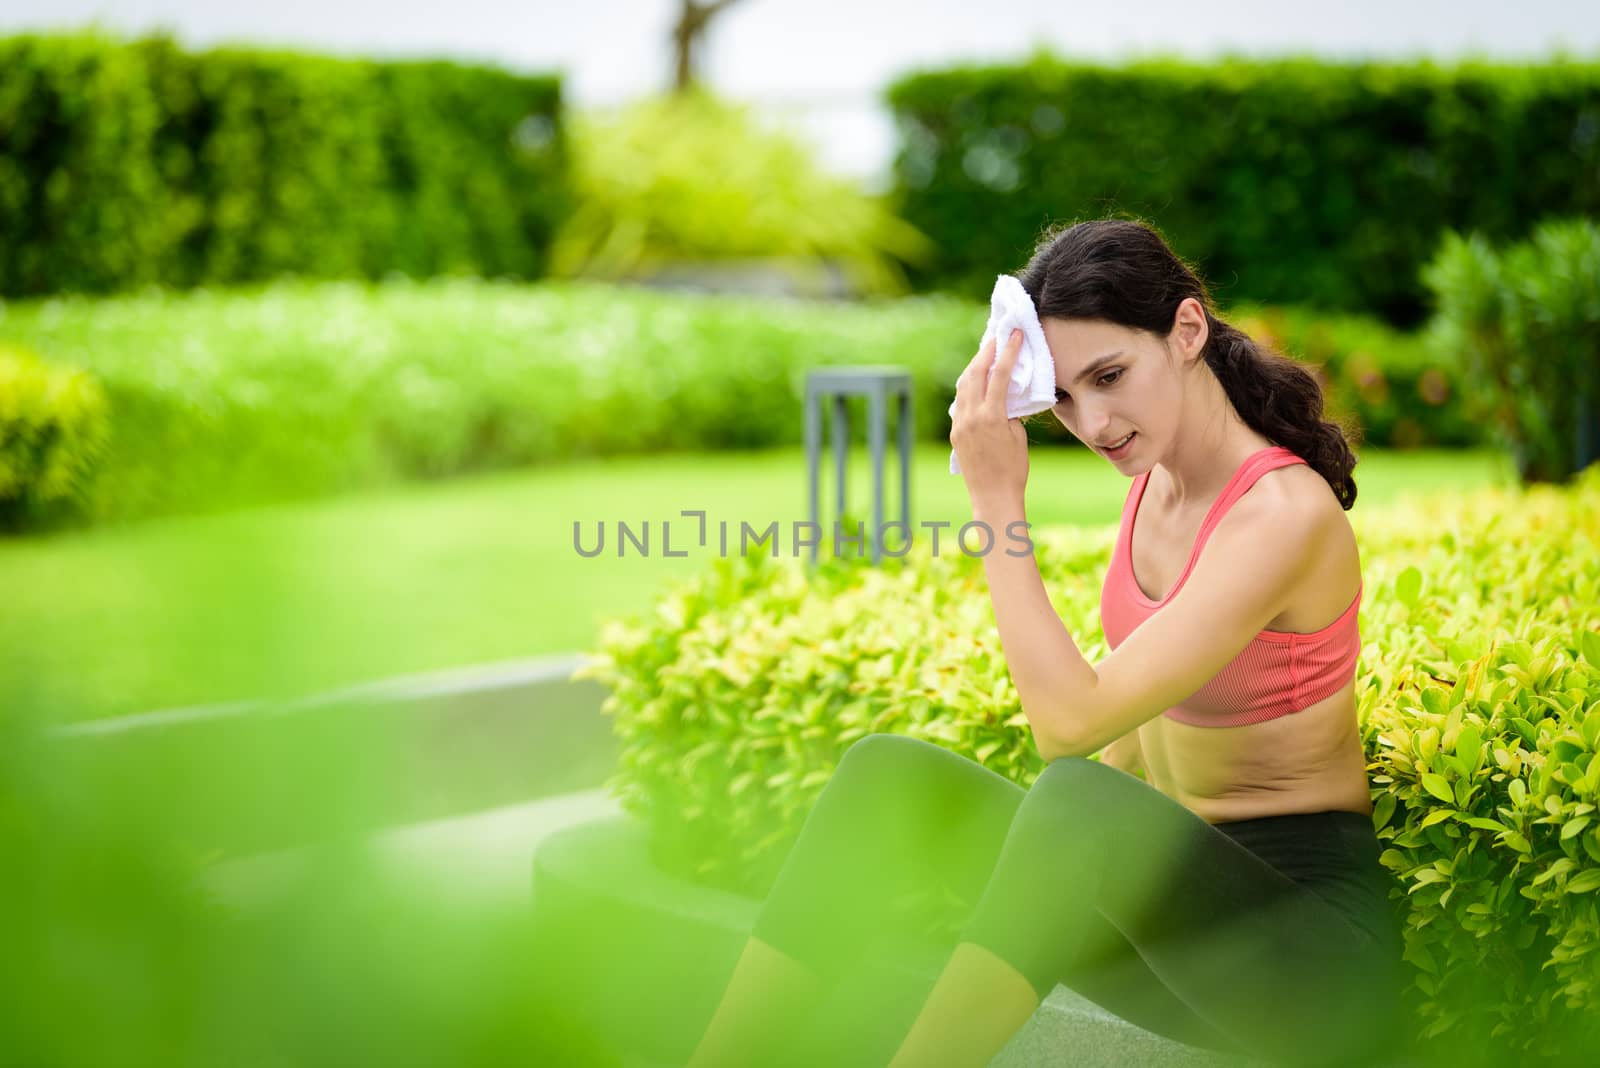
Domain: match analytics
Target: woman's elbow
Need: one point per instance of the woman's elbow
(1052, 747)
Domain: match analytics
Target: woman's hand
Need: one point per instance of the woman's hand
(991, 449)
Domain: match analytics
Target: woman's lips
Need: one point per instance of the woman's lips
(1119, 453)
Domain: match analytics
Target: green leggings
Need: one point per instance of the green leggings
(1269, 937)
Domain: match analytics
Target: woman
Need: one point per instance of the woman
(1231, 898)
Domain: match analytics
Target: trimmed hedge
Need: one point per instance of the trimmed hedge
(1478, 697)
(1292, 180)
(130, 163)
(228, 397)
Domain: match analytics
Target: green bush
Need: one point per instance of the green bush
(1293, 180)
(1478, 692)
(690, 178)
(53, 430)
(132, 163)
(1522, 327)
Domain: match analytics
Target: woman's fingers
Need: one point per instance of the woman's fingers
(995, 398)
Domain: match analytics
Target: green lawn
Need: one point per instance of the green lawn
(298, 598)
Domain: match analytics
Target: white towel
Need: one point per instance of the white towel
(1033, 378)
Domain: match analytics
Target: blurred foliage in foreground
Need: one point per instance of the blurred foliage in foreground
(224, 397)
(1478, 694)
(124, 947)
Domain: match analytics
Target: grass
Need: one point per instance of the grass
(297, 598)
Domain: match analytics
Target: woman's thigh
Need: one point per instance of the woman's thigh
(900, 818)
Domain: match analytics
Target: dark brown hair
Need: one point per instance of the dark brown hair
(1122, 271)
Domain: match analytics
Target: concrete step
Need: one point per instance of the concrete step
(474, 860)
(251, 777)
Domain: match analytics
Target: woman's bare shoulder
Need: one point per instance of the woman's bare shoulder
(1299, 488)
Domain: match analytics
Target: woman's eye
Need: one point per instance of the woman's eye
(1110, 378)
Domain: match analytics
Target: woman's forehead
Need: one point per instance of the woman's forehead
(1076, 344)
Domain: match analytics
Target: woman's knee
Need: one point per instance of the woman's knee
(1095, 804)
(1068, 790)
(881, 753)
(1074, 775)
(902, 766)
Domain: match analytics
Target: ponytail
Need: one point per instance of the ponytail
(1283, 402)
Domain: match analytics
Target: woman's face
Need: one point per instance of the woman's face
(1135, 390)
(1102, 401)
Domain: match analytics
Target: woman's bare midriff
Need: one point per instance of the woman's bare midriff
(1307, 761)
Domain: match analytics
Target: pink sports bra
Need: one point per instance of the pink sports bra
(1279, 671)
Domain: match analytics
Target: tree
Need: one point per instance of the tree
(688, 34)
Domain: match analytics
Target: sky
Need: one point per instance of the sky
(819, 66)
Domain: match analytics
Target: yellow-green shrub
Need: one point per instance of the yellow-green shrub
(53, 430)
(1478, 697)
(1482, 720)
